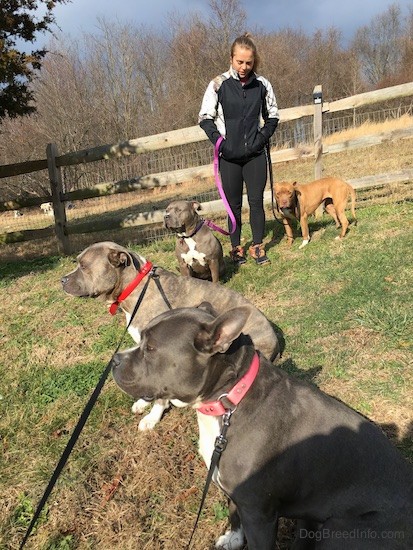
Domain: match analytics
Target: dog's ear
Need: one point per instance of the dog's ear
(118, 258)
(206, 306)
(216, 337)
(196, 205)
(296, 188)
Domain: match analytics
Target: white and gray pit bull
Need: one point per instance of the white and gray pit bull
(105, 269)
(292, 451)
(198, 251)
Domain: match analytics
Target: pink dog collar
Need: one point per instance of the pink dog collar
(234, 396)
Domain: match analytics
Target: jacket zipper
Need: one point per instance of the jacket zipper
(245, 128)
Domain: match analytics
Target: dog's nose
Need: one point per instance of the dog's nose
(63, 280)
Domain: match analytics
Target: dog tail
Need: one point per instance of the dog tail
(353, 204)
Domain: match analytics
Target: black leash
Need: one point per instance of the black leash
(161, 290)
(79, 427)
(272, 184)
(220, 444)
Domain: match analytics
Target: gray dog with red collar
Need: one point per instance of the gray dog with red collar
(198, 251)
(106, 270)
(291, 450)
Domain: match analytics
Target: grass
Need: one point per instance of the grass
(346, 312)
(345, 309)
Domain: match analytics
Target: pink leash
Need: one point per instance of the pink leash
(209, 223)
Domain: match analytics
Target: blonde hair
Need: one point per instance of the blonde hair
(246, 41)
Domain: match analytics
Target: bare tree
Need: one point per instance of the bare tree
(114, 56)
(378, 45)
(199, 51)
(406, 69)
(282, 61)
(335, 68)
(227, 21)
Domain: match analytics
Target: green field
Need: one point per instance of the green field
(345, 308)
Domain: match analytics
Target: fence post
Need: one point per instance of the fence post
(318, 138)
(55, 177)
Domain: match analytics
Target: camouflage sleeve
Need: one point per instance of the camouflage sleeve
(209, 110)
(272, 115)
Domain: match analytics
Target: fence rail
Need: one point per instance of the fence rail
(150, 144)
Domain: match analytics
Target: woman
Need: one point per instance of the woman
(234, 105)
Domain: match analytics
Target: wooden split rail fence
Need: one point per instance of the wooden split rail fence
(54, 163)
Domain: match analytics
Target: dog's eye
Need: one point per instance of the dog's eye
(147, 347)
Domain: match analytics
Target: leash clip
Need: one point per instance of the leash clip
(220, 444)
(221, 441)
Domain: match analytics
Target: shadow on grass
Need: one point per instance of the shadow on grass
(14, 269)
(230, 270)
(404, 442)
(309, 375)
(276, 228)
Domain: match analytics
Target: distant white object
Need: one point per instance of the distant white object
(17, 213)
(47, 208)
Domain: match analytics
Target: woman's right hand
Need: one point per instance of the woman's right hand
(222, 146)
(259, 143)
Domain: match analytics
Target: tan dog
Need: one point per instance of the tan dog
(301, 200)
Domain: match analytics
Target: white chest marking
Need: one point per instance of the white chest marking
(192, 253)
(133, 331)
(208, 432)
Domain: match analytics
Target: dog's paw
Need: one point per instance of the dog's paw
(304, 243)
(139, 406)
(149, 421)
(231, 540)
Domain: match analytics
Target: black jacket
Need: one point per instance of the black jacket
(236, 112)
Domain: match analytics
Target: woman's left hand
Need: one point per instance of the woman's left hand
(259, 143)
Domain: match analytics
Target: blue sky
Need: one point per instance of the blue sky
(308, 15)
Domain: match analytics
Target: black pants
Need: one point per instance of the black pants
(254, 173)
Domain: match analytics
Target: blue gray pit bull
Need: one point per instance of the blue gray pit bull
(292, 450)
(198, 251)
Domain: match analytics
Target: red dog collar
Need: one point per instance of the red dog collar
(216, 408)
(131, 287)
